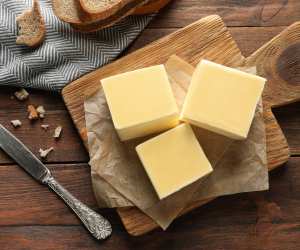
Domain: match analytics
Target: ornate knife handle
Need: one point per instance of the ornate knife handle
(97, 225)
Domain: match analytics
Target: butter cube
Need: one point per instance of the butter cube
(222, 100)
(141, 102)
(173, 160)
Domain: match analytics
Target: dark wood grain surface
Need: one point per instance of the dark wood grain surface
(31, 217)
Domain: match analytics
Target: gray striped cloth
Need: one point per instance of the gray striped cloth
(65, 55)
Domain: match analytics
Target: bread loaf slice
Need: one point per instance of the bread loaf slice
(31, 26)
(127, 9)
(70, 11)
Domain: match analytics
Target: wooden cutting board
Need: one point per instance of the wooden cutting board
(207, 38)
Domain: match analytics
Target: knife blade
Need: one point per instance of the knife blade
(22, 155)
(95, 223)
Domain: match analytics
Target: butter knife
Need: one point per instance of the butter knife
(97, 225)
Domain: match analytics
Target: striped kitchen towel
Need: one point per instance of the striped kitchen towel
(65, 55)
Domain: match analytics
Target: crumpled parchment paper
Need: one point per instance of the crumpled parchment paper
(119, 178)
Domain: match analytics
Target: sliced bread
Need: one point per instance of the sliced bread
(70, 11)
(104, 8)
(31, 26)
(128, 9)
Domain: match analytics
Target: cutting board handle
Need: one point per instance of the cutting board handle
(279, 61)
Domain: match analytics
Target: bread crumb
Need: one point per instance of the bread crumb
(44, 153)
(32, 113)
(57, 132)
(41, 111)
(45, 126)
(21, 94)
(16, 123)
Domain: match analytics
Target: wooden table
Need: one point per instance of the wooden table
(31, 217)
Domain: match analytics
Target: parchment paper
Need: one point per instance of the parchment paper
(119, 178)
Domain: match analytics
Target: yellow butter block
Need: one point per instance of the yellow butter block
(173, 160)
(141, 102)
(222, 100)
